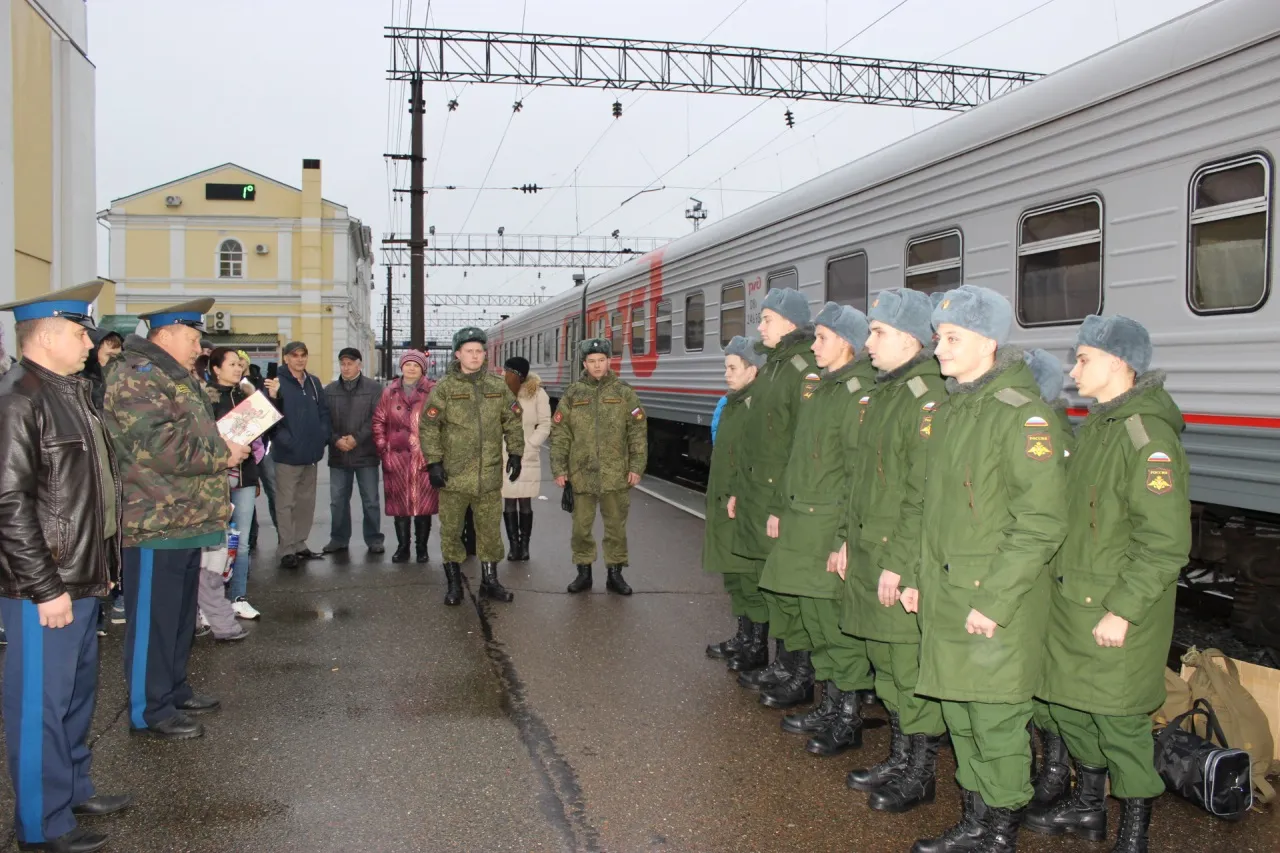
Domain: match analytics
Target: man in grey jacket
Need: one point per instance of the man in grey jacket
(352, 455)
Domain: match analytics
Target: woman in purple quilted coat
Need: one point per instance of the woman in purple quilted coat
(409, 495)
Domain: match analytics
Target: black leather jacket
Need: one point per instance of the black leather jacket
(51, 489)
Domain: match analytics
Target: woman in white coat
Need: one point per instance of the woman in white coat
(517, 505)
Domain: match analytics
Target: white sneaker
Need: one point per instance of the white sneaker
(244, 610)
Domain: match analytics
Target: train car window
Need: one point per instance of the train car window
(733, 312)
(935, 262)
(547, 357)
(537, 353)
(615, 331)
(638, 330)
(847, 280)
(1229, 244)
(1060, 263)
(785, 278)
(662, 327)
(557, 349)
(695, 318)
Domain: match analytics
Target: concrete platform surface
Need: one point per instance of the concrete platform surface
(363, 715)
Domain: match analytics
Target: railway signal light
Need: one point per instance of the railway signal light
(617, 109)
(790, 118)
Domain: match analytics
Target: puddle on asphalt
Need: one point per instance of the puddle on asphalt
(300, 616)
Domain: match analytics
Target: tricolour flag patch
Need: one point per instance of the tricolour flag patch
(1158, 457)
(1035, 421)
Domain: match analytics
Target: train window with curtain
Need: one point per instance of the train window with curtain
(695, 318)
(1229, 243)
(638, 330)
(784, 278)
(230, 259)
(847, 280)
(662, 327)
(1060, 263)
(548, 354)
(733, 312)
(935, 262)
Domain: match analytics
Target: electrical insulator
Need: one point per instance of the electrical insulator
(453, 104)
(617, 109)
(790, 118)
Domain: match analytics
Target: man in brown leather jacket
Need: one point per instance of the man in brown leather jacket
(59, 552)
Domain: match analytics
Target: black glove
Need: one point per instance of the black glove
(437, 476)
(513, 467)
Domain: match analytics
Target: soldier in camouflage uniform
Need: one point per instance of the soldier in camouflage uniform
(467, 416)
(599, 442)
(174, 491)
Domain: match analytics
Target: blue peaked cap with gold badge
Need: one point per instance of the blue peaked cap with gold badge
(190, 313)
(70, 303)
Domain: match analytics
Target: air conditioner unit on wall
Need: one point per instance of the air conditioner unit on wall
(262, 248)
(172, 200)
(219, 321)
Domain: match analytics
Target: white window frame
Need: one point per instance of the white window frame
(236, 265)
(1070, 241)
(642, 324)
(1219, 212)
(779, 273)
(662, 305)
(933, 266)
(742, 284)
(702, 301)
(835, 259)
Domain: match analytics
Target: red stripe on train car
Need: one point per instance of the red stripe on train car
(1210, 420)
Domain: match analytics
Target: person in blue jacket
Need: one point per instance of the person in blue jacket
(715, 417)
(298, 443)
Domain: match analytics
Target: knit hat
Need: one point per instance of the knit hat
(1126, 339)
(592, 346)
(849, 323)
(519, 365)
(1047, 370)
(470, 334)
(905, 310)
(412, 355)
(978, 309)
(788, 303)
(745, 349)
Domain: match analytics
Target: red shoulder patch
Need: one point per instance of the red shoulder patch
(559, 416)
(432, 413)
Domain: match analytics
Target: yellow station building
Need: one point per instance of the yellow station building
(48, 236)
(283, 262)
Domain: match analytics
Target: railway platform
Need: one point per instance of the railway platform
(363, 715)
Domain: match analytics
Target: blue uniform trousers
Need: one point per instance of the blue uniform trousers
(50, 683)
(160, 588)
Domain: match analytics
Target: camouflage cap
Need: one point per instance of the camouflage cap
(595, 345)
(470, 334)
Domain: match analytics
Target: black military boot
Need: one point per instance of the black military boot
(1135, 821)
(1084, 814)
(1002, 830)
(583, 581)
(816, 718)
(966, 835)
(403, 527)
(916, 784)
(511, 521)
(878, 775)
(727, 648)
(771, 675)
(844, 732)
(796, 690)
(615, 582)
(489, 586)
(1053, 780)
(453, 577)
(421, 532)
(868, 698)
(526, 531)
(755, 654)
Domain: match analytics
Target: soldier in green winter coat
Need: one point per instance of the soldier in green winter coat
(599, 443)
(816, 485)
(468, 415)
(880, 559)
(786, 335)
(747, 649)
(994, 514)
(1114, 583)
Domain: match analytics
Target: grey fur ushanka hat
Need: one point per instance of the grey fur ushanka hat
(1120, 336)
(906, 310)
(849, 323)
(1047, 370)
(745, 349)
(978, 309)
(789, 303)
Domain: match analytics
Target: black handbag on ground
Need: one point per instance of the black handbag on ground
(1213, 776)
(566, 497)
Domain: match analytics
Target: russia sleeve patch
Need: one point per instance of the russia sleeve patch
(637, 413)
(559, 416)
(1158, 457)
(1159, 480)
(432, 413)
(1035, 421)
(515, 407)
(1039, 446)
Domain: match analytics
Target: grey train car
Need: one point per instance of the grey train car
(1137, 181)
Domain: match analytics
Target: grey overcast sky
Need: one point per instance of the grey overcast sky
(183, 86)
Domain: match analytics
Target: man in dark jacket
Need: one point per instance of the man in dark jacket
(59, 551)
(352, 455)
(296, 446)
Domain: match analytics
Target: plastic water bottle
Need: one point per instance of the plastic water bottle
(233, 545)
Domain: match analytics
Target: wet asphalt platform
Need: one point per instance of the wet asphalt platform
(365, 716)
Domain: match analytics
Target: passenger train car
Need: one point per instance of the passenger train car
(1138, 181)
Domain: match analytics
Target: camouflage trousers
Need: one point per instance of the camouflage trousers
(614, 507)
(486, 509)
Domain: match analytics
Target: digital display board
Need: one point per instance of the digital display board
(229, 192)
